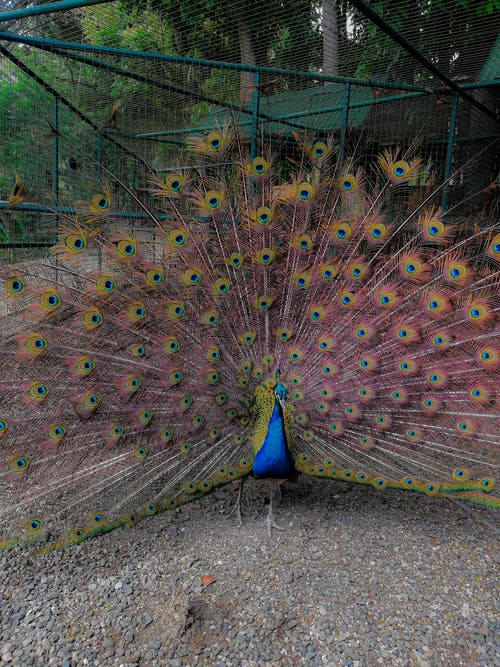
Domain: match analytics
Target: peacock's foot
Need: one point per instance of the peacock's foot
(237, 506)
(271, 523)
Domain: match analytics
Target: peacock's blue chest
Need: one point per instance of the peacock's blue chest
(273, 458)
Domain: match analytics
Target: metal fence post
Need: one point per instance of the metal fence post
(449, 152)
(55, 158)
(345, 119)
(255, 115)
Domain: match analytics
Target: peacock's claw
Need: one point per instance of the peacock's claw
(237, 506)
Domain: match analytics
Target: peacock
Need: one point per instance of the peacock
(273, 313)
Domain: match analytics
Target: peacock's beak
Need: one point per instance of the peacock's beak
(281, 401)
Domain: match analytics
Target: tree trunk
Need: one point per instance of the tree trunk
(330, 38)
(247, 57)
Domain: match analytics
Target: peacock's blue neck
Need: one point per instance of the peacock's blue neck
(273, 458)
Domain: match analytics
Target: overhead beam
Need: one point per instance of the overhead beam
(61, 6)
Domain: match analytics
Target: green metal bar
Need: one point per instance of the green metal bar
(235, 108)
(399, 39)
(255, 115)
(345, 119)
(316, 76)
(61, 6)
(68, 210)
(479, 84)
(352, 105)
(449, 152)
(55, 167)
(297, 114)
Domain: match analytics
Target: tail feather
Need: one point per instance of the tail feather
(131, 357)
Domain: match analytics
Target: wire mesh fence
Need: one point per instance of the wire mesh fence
(117, 88)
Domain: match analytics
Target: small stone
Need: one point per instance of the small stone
(147, 620)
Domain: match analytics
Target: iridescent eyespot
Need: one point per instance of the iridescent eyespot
(375, 232)
(126, 248)
(176, 376)
(185, 402)
(328, 271)
(14, 285)
(177, 238)
(400, 168)
(262, 303)
(49, 300)
(140, 453)
(317, 313)
(35, 344)
(75, 242)
(319, 150)
(336, 428)
(248, 337)
(341, 231)
(145, 416)
(174, 183)
(105, 284)
(192, 276)
(97, 519)
(487, 356)
(210, 318)
(171, 345)
(303, 242)
(262, 215)
(221, 286)
(175, 310)
(325, 343)
(259, 166)
(92, 319)
(38, 391)
(295, 355)
(211, 201)
(348, 183)
(441, 340)
(19, 464)
(166, 434)
(33, 526)
(215, 141)
(100, 202)
(221, 398)
(347, 299)
(305, 191)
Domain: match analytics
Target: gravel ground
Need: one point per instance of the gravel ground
(356, 578)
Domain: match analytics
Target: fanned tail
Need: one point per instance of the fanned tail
(131, 359)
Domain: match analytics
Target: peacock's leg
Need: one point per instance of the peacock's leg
(237, 506)
(270, 522)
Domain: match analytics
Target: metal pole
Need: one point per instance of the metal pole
(50, 44)
(449, 152)
(255, 115)
(61, 6)
(55, 175)
(345, 119)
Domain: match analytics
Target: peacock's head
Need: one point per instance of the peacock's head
(280, 393)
